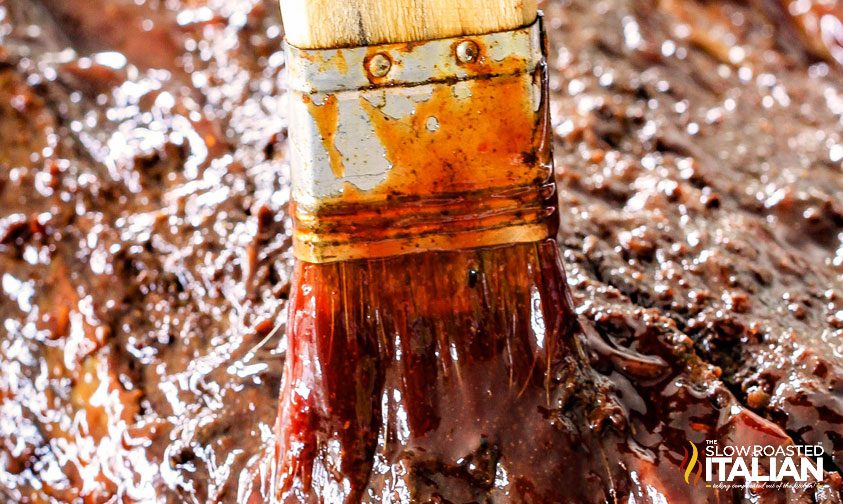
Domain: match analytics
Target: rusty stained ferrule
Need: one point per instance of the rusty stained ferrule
(404, 148)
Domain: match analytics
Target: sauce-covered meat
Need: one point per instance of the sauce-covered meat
(145, 252)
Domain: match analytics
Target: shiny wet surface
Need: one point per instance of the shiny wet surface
(145, 254)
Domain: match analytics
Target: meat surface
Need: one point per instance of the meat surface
(145, 243)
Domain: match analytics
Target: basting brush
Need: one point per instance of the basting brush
(429, 320)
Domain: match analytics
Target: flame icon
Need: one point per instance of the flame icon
(689, 462)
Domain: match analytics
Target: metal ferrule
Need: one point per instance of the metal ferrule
(404, 148)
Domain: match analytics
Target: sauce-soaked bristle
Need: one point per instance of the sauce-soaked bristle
(436, 354)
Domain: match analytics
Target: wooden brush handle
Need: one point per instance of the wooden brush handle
(327, 24)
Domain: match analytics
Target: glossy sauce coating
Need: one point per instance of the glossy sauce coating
(700, 235)
(429, 374)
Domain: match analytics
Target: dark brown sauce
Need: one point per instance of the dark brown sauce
(408, 380)
(142, 286)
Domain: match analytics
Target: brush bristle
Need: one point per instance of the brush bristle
(424, 360)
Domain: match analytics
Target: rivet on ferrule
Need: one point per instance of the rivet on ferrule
(467, 51)
(379, 65)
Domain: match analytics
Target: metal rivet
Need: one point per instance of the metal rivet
(467, 51)
(379, 65)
